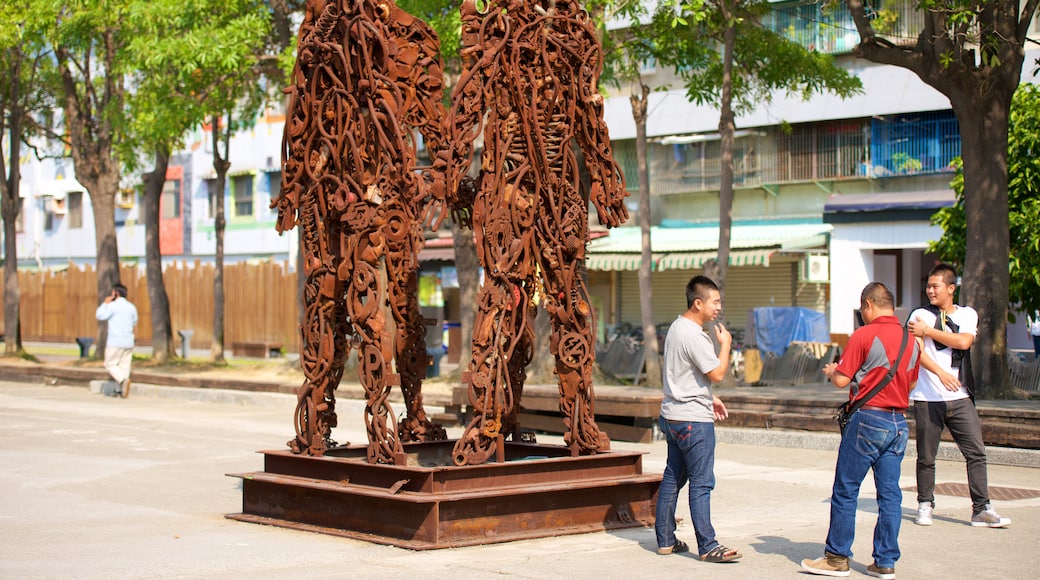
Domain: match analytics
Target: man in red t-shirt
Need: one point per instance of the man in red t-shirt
(875, 437)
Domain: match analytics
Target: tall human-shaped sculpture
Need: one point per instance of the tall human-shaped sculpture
(531, 68)
(367, 76)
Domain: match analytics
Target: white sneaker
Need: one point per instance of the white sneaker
(989, 519)
(924, 514)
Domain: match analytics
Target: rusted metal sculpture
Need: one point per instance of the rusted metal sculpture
(366, 76)
(532, 67)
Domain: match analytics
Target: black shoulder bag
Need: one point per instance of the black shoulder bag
(847, 408)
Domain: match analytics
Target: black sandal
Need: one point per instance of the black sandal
(678, 548)
(721, 554)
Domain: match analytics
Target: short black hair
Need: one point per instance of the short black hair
(699, 287)
(947, 271)
(878, 294)
(120, 290)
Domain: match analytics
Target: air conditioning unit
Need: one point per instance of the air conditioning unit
(125, 198)
(56, 206)
(815, 269)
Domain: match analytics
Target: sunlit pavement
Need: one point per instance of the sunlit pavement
(102, 487)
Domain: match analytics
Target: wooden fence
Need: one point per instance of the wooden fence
(259, 303)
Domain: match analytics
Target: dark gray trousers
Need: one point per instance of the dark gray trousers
(962, 419)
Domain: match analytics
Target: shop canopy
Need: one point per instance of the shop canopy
(889, 206)
(688, 247)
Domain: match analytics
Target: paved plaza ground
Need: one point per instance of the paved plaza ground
(101, 487)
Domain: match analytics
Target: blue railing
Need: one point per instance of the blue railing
(914, 143)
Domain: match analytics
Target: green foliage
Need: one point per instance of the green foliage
(443, 17)
(26, 58)
(1023, 203)
(765, 63)
(188, 61)
(886, 17)
(906, 164)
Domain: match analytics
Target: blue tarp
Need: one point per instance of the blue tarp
(776, 327)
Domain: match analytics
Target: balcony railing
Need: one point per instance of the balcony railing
(881, 147)
(829, 28)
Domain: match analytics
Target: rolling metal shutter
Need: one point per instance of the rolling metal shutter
(746, 288)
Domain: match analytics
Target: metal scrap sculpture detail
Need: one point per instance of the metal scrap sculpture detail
(532, 69)
(367, 75)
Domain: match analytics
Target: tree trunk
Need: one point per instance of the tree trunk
(12, 290)
(984, 143)
(102, 187)
(221, 165)
(651, 350)
(726, 130)
(467, 268)
(281, 23)
(162, 328)
(10, 207)
(91, 136)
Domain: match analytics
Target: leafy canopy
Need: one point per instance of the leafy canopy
(1023, 204)
(764, 62)
(189, 60)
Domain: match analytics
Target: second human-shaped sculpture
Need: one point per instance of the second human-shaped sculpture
(530, 78)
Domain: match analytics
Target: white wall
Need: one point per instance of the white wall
(853, 263)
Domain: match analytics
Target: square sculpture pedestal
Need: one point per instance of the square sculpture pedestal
(538, 491)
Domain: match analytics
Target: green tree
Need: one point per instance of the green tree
(184, 57)
(724, 57)
(25, 96)
(754, 64)
(1023, 205)
(973, 53)
(626, 49)
(89, 41)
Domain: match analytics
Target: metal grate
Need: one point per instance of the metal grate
(997, 493)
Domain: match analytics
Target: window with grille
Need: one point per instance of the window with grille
(242, 186)
(211, 197)
(625, 156)
(697, 165)
(19, 224)
(75, 210)
(815, 151)
(914, 143)
(170, 199)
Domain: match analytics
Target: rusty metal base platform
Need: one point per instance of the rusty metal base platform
(538, 491)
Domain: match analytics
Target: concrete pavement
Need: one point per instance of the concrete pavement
(100, 487)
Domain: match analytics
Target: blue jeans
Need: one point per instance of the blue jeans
(691, 457)
(873, 440)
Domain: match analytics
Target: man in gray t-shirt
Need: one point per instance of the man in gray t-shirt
(688, 414)
(688, 356)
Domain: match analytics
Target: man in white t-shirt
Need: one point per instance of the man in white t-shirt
(943, 396)
(1034, 332)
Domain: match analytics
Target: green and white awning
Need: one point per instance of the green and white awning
(688, 248)
(613, 262)
(695, 260)
(675, 260)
